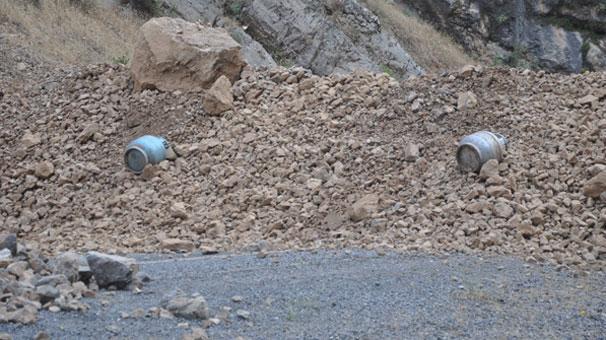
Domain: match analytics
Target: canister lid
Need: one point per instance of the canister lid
(468, 158)
(135, 159)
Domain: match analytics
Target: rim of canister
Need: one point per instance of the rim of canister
(474, 148)
(135, 148)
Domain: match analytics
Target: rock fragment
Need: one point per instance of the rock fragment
(595, 186)
(111, 270)
(467, 100)
(364, 207)
(411, 152)
(489, 169)
(187, 307)
(9, 241)
(175, 244)
(219, 98)
(44, 169)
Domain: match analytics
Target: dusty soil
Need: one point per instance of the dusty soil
(303, 162)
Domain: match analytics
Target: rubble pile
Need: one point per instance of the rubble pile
(30, 281)
(301, 161)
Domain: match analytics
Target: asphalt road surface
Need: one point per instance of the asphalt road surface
(349, 295)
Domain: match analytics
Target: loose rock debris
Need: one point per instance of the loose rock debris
(303, 161)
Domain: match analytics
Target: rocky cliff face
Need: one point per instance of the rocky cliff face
(326, 37)
(556, 35)
(335, 36)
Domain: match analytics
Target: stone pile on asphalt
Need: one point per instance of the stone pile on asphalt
(29, 281)
(301, 161)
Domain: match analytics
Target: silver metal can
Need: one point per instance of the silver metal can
(145, 150)
(476, 149)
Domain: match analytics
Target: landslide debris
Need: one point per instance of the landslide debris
(302, 161)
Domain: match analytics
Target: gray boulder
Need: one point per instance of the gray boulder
(112, 270)
(9, 241)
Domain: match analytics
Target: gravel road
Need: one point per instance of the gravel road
(350, 295)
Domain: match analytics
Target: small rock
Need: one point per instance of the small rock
(489, 169)
(219, 97)
(467, 100)
(313, 183)
(138, 313)
(53, 280)
(44, 170)
(42, 336)
(364, 207)
(30, 139)
(525, 229)
(54, 309)
(243, 314)
(17, 268)
(150, 171)
(237, 298)
(5, 258)
(179, 210)
(174, 244)
(111, 269)
(88, 133)
(189, 308)
(196, 334)
(21, 66)
(595, 186)
(171, 155)
(47, 293)
(9, 241)
(499, 191)
(27, 314)
(143, 277)
(588, 99)
(5, 336)
(411, 152)
(502, 210)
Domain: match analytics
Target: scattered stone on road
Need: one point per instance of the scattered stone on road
(193, 307)
(111, 270)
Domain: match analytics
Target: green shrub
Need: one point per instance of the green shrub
(146, 7)
(503, 18)
(121, 60)
(388, 70)
(234, 8)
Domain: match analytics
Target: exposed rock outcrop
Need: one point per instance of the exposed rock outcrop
(333, 37)
(549, 34)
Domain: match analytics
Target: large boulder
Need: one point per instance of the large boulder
(112, 270)
(173, 54)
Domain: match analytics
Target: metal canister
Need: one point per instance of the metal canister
(476, 149)
(145, 150)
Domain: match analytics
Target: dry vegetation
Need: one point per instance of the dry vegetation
(62, 31)
(431, 49)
